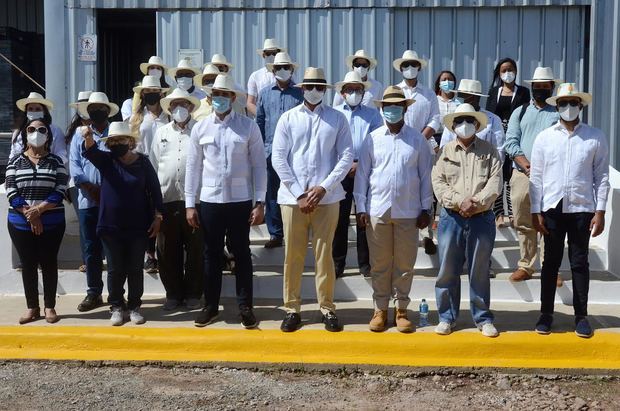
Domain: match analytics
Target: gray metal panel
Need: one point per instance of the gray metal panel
(23, 15)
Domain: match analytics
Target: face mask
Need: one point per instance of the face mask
(446, 85)
(410, 73)
(465, 130)
(508, 77)
(270, 59)
(119, 150)
(313, 96)
(98, 116)
(152, 98)
(458, 101)
(34, 115)
(155, 72)
(283, 75)
(180, 114)
(393, 114)
(353, 99)
(569, 113)
(362, 71)
(185, 83)
(36, 139)
(541, 94)
(221, 104)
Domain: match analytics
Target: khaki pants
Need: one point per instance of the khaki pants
(393, 246)
(521, 207)
(297, 225)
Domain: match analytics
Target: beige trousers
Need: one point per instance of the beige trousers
(297, 225)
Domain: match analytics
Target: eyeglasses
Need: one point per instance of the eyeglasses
(408, 64)
(572, 103)
(33, 129)
(466, 119)
(361, 64)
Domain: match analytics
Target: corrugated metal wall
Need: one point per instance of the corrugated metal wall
(23, 15)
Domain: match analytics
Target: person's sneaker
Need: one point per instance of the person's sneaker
(365, 271)
(429, 246)
(248, 320)
(116, 318)
(402, 322)
(291, 322)
(90, 302)
(443, 328)
(520, 275)
(543, 326)
(193, 304)
(205, 317)
(170, 304)
(150, 265)
(274, 243)
(583, 328)
(378, 321)
(331, 322)
(488, 330)
(135, 317)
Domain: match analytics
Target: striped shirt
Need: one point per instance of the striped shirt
(28, 184)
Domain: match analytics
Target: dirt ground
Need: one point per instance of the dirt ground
(73, 386)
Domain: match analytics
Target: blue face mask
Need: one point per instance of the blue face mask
(446, 85)
(458, 101)
(393, 114)
(221, 104)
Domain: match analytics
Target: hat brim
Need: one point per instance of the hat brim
(144, 67)
(269, 66)
(555, 80)
(585, 98)
(172, 72)
(167, 101)
(138, 89)
(198, 79)
(396, 63)
(470, 93)
(341, 84)
(83, 109)
(482, 118)
(209, 90)
(379, 103)
(349, 61)
(312, 83)
(23, 102)
(136, 137)
(260, 51)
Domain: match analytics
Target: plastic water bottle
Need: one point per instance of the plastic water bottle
(423, 313)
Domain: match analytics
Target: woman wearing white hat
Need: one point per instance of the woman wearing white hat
(130, 213)
(362, 63)
(262, 77)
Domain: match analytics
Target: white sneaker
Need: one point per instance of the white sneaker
(117, 317)
(136, 317)
(488, 330)
(443, 328)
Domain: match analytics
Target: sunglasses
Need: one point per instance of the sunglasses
(466, 119)
(271, 52)
(33, 129)
(284, 67)
(314, 86)
(572, 103)
(359, 64)
(408, 64)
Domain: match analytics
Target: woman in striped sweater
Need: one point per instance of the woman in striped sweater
(35, 185)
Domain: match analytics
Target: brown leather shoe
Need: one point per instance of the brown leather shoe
(520, 275)
(378, 321)
(51, 316)
(402, 322)
(32, 314)
(559, 282)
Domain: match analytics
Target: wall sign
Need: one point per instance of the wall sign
(87, 47)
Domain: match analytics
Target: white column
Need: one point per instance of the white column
(55, 60)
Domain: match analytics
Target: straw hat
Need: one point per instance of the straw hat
(269, 44)
(473, 87)
(97, 97)
(466, 110)
(120, 129)
(150, 82)
(569, 90)
(409, 55)
(153, 61)
(542, 75)
(394, 94)
(360, 54)
(281, 59)
(184, 64)
(209, 70)
(224, 82)
(221, 59)
(352, 77)
(314, 77)
(82, 98)
(33, 98)
(178, 94)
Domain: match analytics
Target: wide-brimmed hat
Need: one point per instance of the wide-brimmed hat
(466, 110)
(184, 64)
(150, 82)
(209, 70)
(153, 61)
(360, 54)
(281, 59)
(120, 129)
(543, 75)
(221, 59)
(97, 97)
(178, 94)
(409, 55)
(352, 77)
(394, 94)
(473, 87)
(224, 82)
(269, 44)
(569, 90)
(314, 76)
(33, 98)
(82, 98)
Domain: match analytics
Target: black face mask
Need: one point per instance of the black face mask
(541, 94)
(119, 150)
(152, 98)
(98, 116)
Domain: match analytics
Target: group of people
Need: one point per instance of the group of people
(190, 169)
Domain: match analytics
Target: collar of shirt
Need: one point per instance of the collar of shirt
(98, 134)
(561, 127)
(187, 129)
(459, 144)
(276, 86)
(227, 119)
(317, 110)
(403, 84)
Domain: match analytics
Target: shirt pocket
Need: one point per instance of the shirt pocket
(208, 143)
(239, 188)
(482, 165)
(239, 151)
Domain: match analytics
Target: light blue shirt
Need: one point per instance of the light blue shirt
(520, 135)
(362, 120)
(82, 170)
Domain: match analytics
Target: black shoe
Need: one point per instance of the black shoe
(291, 323)
(90, 302)
(583, 328)
(365, 271)
(248, 320)
(205, 317)
(274, 243)
(331, 322)
(429, 246)
(543, 326)
(150, 265)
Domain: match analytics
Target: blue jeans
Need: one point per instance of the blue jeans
(464, 239)
(92, 251)
(273, 216)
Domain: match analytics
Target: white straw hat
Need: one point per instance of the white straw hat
(97, 97)
(153, 61)
(473, 87)
(120, 129)
(314, 76)
(209, 70)
(352, 77)
(466, 110)
(82, 98)
(33, 98)
(178, 94)
(150, 82)
(269, 44)
(184, 65)
(393, 94)
(542, 75)
(282, 58)
(224, 82)
(569, 90)
(409, 55)
(360, 54)
(221, 59)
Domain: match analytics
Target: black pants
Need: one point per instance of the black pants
(35, 250)
(231, 220)
(341, 237)
(577, 227)
(180, 250)
(125, 254)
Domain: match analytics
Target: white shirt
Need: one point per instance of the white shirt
(445, 107)
(126, 108)
(362, 121)
(148, 127)
(311, 148)
(573, 168)
(258, 80)
(199, 93)
(231, 157)
(425, 111)
(493, 133)
(58, 146)
(169, 158)
(394, 172)
(375, 92)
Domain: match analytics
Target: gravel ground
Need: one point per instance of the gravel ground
(79, 386)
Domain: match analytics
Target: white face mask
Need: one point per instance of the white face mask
(269, 59)
(410, 73)
(36, 139)
(465, 130)
(362, 71)
(313, 96)
(353, 99)
(180, 114)
(34, 115)
(283, 75)
(185, 83)
(508, 77)
(569, 113)
(155, 72)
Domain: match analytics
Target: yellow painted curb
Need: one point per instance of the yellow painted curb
(461, 349)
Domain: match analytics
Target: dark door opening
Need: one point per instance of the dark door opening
(126, 38)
